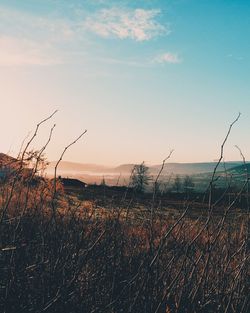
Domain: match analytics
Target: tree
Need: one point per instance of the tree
(188, 184)
(158, 187)
(177, 184)
(103, 182)
(140, 177)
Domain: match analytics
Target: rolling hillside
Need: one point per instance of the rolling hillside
(176, 168)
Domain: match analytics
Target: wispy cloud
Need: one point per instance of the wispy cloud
(21, 52)
(168, 57)
(31, 39)
(56, 39)
(237, 58)
(126, 62)
(28, 26)
(138, 24)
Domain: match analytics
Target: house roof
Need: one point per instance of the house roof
(72, 182)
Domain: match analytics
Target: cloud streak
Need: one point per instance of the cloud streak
(55, 39)
(21, 52)
(28, 26)
(138, 24)
(168, 57)
(33, 40)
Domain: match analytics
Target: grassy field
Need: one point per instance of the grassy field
(103, 249)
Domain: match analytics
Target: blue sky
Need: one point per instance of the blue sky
(143, 77)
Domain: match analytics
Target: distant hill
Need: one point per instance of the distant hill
(193, 168)
(6, 159)
(94, 173)
(240, 169)
(81, 167)
(125, 169)
(9, 165)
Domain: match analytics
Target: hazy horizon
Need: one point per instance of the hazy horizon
(143, 77)
(117, 164)
(148, 164)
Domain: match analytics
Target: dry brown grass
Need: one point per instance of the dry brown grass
(88, 258)
(62, 254)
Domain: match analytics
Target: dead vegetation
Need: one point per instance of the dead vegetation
(62, 254)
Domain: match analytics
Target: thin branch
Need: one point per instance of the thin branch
(57, 164)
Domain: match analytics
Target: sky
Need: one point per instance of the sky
(143, 77)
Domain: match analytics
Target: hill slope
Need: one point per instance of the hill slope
(125, 169)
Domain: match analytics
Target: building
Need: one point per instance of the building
(72, 183)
